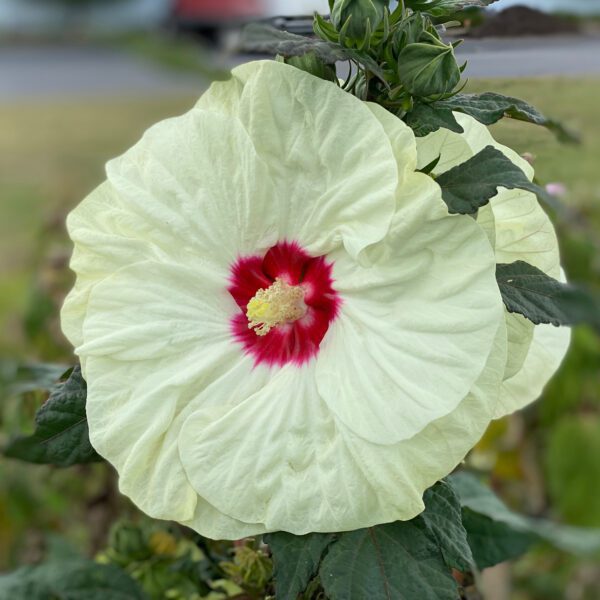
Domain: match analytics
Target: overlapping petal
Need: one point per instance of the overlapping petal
(281, 459)
(546, 353)
(417, 326)
(402, 471)
(519, 229)
(345, 170)
(148, 359)
(219, 205)
(272, 458)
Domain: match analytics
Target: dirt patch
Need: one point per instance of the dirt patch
(521, 20)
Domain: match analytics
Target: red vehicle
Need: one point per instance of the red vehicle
(215, 14)
(214, 19)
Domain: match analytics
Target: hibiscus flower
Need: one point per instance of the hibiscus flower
(280, 325)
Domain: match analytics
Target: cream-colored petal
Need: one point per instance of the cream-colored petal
(416, 327)
(136, 411)
(486, 220)
(451, 148)
(344, 171)
(519, 329)
(149, 310)
(478, 136)
(213, 524)
(274, 459)
(192, 192)
(524, 232)
(103, 244)
(156, 336)
(520, 334)
(279, 458)
(129, 411)
(546, 353)
(401, 472)
(402, 140)
(198, 181)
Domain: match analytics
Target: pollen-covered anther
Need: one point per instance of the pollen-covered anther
(278, 304)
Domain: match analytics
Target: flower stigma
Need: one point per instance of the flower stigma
(278, 304)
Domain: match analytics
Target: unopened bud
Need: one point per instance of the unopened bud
(365, 16)
(127, 541)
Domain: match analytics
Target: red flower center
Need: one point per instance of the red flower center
(287, 303)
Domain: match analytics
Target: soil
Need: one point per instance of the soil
(521, 20)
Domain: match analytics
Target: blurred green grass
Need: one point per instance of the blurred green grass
(572, 101)
(54, 154)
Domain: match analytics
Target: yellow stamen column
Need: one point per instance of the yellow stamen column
(278, 304)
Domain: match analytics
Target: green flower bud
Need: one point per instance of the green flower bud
(128, 543)
(312, 64)
(365, 16)
(360, 87)
(250, 567)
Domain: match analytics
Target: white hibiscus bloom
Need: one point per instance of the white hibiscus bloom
(280, 325)
(518, 229)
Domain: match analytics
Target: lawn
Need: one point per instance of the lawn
(575, 103)
(52, 155)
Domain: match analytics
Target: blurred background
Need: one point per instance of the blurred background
(80, 80)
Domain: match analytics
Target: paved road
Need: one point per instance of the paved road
(30, 73)
(36, 72)
(568, 56)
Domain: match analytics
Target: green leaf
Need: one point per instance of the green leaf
(439, 8)
(541, 299)
(296, 559)
(443, 519)
(263, 38)
(59, 549)
(488, 108)
(77, 579)
(61, 437)
(479, 499)
(424, 119)
(398, 560)
(389, 562)
(428, 69)
(472, 184)
(427, 169)
(493, 542)
(462, 4)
